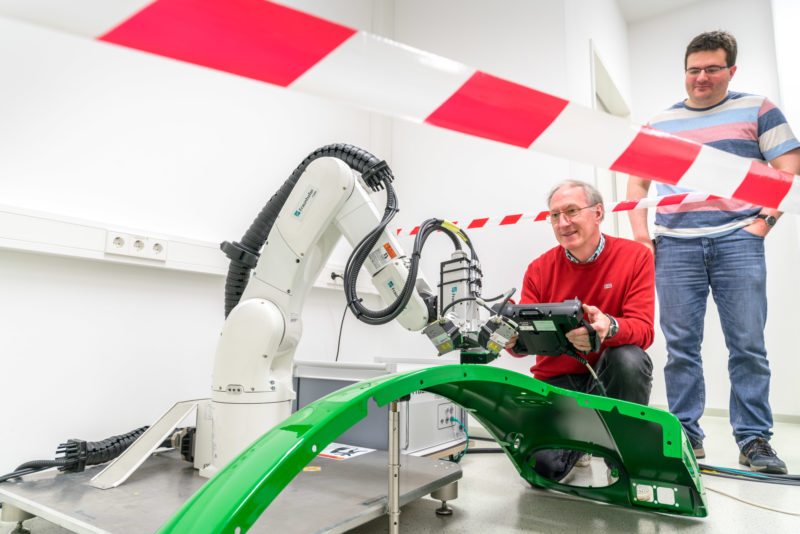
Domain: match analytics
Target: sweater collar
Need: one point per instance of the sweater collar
(593, 257)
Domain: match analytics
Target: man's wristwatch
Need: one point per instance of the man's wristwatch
(613, 327)
(769, 219)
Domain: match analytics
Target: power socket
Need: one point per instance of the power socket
(118, 243)
(445, 412)
(136, 246)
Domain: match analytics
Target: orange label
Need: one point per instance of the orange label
(389, 250)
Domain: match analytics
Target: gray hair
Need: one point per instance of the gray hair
(592, 194)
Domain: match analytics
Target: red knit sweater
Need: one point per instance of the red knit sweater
(620, 282)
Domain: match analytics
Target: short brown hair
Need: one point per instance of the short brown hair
(713, 41)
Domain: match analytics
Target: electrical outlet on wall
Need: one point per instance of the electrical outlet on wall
(139, 246)
(158, 249)
(136, 246)
(118, 243)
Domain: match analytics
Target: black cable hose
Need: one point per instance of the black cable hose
(77, 454)
(97, 452)
(768, 480)
(244, 255)
(755, 476)
(20, 473)
(41, 464)
(464, 299)
(364, 247)
(356, 260)
(453, 238)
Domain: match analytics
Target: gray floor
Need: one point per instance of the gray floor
(493, 498)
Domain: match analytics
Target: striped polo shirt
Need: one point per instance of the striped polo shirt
(747, 125)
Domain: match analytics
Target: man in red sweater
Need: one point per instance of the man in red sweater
(614, 279)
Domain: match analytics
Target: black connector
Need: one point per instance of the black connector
(77, 453)
(376, 175)
(239, 253)
(74, 453)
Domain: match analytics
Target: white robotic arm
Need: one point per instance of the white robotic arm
(252, 380)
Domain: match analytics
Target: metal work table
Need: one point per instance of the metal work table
(332, 496)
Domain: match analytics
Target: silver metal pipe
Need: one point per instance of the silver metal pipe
(394, 470)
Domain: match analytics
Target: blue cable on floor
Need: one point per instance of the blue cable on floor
(466, 434)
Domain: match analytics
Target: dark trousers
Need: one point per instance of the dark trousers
(626, 373)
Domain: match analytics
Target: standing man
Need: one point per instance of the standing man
(614, 280)
(718, 244)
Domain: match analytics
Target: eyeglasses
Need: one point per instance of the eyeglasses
(570, 214)
(710, 70)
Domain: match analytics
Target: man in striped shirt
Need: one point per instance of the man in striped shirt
(719, 245)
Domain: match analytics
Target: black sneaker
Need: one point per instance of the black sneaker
(697, 448)
(762, 458)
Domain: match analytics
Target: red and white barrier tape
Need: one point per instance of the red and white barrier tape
(276, 44)
(625, 205)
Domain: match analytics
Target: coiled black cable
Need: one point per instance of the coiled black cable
(363, 249)
(360, 253)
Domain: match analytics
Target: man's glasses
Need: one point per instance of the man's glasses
(710, 70)
(570, 214)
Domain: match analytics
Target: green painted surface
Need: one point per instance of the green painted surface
(523, 415)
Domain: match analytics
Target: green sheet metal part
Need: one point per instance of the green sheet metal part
(521, 413)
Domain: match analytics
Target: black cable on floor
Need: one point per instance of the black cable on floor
(484, 450)
(726, 472)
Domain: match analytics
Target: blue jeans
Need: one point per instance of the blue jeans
(733, 267)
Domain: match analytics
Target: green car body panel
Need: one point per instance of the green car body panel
(657, 470)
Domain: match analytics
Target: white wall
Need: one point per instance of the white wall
(785, 14)
(459, 177)
(657, 47)
(104, 133)
(601, 24)
(107, 134)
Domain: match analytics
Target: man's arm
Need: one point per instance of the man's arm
(637, 189)
(636, 324)
(789, 162)
(638, 310)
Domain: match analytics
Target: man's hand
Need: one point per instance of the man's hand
(758, 227)
(512, 341)
(598, 320)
